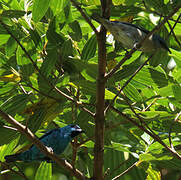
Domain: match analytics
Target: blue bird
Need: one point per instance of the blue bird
(56, 139)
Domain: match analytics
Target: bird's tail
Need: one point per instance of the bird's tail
(12, 158)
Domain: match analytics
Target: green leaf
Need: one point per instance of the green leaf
(172, 90)
(49, 62)
(109, 95)
(7, 149)
(36, 39)
(112, 160)
(67, 48)
(23, 61)
(157, 5)
(6, 88)
(53, 37)
(89, 144)
(153, 174)
(132, 93)
(89, 49)
(35, 120)
(13, 13)
(118, 147)
(149, 76)
(39, 9)
(7, 135)
(11, 46)
(44, 171)
(4, 38)
(160, 57)
(118, 2)
(87, 69)
(77, 33)
(177, 57)
(90, 88)
(15, 104)
(57, 6)
(150, 157)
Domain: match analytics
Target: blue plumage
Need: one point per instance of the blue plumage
(56, 139)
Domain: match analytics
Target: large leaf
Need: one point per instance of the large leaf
(11, 47)
(7, 149)
(89, 49)
(7, 135)
(44, 171)
(13, 13)
(39, 9)
(57, 6)
(49, 62)
(76, 33)
(4, 38)
(15, 104)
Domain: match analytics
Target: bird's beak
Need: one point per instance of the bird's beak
(77, 130)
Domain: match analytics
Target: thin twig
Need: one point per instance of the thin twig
(155, 12)
(74, 152)
(126, 171)
(141, 42)
(154, 136)
(84, 16)
(36, 67)
(19, 173)
(170, 130)
(174, 24)
(172, 30)
(126, 83)
(79, 104)
(137, 115)
(153, 102)
(115, 169)
(18, 42)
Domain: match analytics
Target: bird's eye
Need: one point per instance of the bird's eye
(72, 125)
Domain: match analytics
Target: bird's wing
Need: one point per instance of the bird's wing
(133, 25)
(45, 135)
(48, 133)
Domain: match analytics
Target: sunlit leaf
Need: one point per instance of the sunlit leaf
(39, 9)
(4, 38)
(44, 171)
(89, 48)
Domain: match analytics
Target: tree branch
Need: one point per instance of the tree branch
(126, 171)
(45, 79)
(19, 173)
(84, 16)
(26, 132)
(141, 42)
(100, 98)
(154, 136)
(172, 30)
(126, 83)
(170, 130)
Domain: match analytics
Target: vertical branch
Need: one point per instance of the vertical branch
(100, 94)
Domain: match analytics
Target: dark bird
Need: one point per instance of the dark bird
(56, 139)
(130, 34)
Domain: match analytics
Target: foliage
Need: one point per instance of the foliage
(48, 77)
